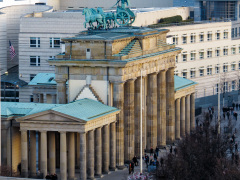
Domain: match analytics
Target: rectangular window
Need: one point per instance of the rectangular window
(217, 52)
(232, 33)
(201, 37)
(235, 32)
(225, 86)
(34, 41)
(201, 55)
(184, 75)
(192, 74)
(31, 98)
(184, 57)
(225, 35)
(184, 39)
(225, 68)
(209, 71)
(176, 59)
(175, 40)
(217, 88)
(32, 76)
(201, 72)
(216, 70)
(35, 60)
(239, 49)
(193, 56)
(217, 35)
(233, 50)
(209, 54)
(55, 42)
(239, 65)
(233, 67)
(225, 52)
(193, 38)
(209, 36)
(233, 85)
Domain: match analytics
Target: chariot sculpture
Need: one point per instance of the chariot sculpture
(123, 16)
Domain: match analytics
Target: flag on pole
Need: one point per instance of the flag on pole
(12, 51)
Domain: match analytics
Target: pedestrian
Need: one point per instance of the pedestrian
(157, 164)
(233, 105)
(161, 162)
(135, 160)
(228, 114)
(236, 106)
(147, 160)
(19, 167)
(156, 150)
(151, 151)
(197, 121)
(175, 151)
(211, 116)
(155, 156)
(236, 147)
(212, 110)
(130, 168)
(235, 115)
(233, 138)
(236, 158)
(224, 116)
(171, 149)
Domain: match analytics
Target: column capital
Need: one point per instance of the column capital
(43, 131)
(117, 82)
(62, 132)
(23, 130)
(61, 80)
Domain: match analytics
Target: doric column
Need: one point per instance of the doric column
(182, 117)
(187, 114)
(33, 153)
(192, 111)
(77, 139)
(98, 152)
(129, 121)
(113, 146)
(118, 102)
(41, 98)
(161, 108)
(71, 156)
(39, 150)
(83, 156)
(44, 153)
(105, 152)
(35, 98)
(90, 168)
(170, 106)
(61, 91)
(137, 115)
(52, 153)
(152, 111)
(44, 98)
(63, 156)
(24, 154)
(177, 119)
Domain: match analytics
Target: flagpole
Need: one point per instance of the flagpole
(141, 127)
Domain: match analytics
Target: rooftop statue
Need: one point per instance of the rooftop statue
(123, 16)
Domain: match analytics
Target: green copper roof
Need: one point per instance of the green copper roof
(43, 78)
(181, 83)
(85, 109)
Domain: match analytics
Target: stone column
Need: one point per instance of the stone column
(33, 153)
(129, 121)
(83, 157)
(177, 119)
(90, 167)
(71, 156)
(161, 108)
(118, 102)
(52, 153)
(113, 146)
(105, 153)
(61, 91)
(182, 117)
(63, 156)
(41, 98)
(35, 98)
(170, 106)
(187, 114)
(44, 98)
(24, 154)
(192, 111)
(44, 153)
(77, 139)
(152, 111)
(98, 152)
(39, 150)
(53, 98)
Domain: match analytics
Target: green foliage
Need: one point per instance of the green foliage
(173, 19)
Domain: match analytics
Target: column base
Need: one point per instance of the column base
(112, 168)
(24, 174)
(170, 142)
(73, 178)
(106, 172)
(121, 167)
(98, 175)
(33, 175)
(92, 178)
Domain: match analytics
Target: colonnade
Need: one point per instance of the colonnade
(42, 98)
(158, 113)
(94, 150)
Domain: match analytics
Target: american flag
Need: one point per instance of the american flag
(11, 50)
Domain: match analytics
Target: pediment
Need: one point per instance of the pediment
(51, 117)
